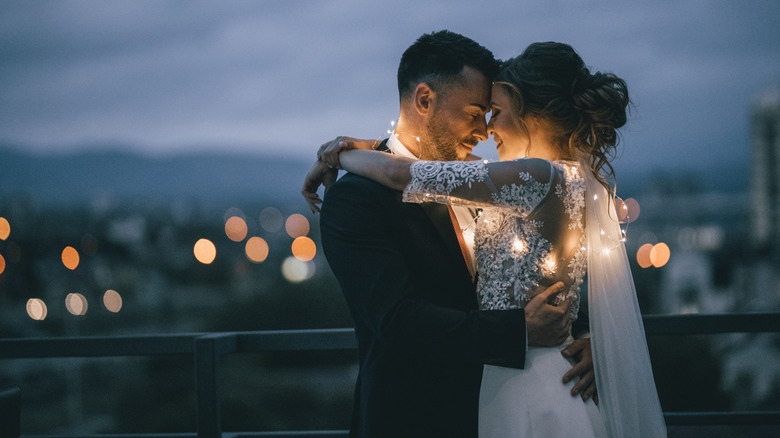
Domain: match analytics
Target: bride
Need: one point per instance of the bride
(547, 216)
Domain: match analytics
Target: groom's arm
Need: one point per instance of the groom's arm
(378, 286)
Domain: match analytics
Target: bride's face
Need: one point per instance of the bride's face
(508, 131)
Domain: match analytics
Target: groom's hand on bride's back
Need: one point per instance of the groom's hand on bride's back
(547, 325)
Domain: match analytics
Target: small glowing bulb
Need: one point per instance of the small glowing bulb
(595, 197)
(389, 131)
(418, 138)
(392, 122)
(519, 245)
(584, 249)
(484, 161)
(602, 232)
(606, 252)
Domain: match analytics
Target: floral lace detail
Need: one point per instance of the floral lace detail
(531, 232)
(524, 198)
(435, 180)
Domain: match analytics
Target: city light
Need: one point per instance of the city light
(256, 249)
(36, 309)
(236, 229)
(5, 228)
(112, 300)
(660, 254)
(643, 255)
(205, 251)
(70, 258)
(76, 304)
(271, 219)
(304, 249)
(2, 264)
(297, 225)
(627, 210)
(296, 271)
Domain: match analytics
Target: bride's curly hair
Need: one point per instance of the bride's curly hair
(584, 110)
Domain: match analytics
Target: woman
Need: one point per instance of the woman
(547, 217)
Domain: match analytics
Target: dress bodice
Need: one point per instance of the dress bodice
(530, 232)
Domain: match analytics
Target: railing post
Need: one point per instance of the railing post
(208, 352)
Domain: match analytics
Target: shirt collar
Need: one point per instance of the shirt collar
(398, 148)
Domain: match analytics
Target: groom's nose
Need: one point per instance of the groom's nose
(481, 131)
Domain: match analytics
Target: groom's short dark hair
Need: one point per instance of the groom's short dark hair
(438, 57)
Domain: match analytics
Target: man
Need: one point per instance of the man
(406, 272)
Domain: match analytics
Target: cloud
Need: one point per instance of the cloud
(271, 76)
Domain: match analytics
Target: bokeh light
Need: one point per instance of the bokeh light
(627, 210)
(256, 249)
(112, 300)
(296, 271)
(643, 255)
(2, 264)
(70, 258)
(660, 254)
(36, 309)
(271, 219)
(5, 228)
(236, 229)
(76, 304)
(304, 249)
(205, 251)
(297, 225)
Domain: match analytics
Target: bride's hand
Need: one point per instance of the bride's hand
(329, 152)
(319, 174)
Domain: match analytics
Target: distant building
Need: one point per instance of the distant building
(765, 175)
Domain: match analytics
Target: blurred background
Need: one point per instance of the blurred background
(152, 154)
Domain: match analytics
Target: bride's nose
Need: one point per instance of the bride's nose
(490, 125)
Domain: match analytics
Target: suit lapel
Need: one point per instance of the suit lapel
(439, 215)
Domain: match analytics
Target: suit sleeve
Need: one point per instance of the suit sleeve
(377, 284)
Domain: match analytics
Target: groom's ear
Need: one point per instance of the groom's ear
(424, 99)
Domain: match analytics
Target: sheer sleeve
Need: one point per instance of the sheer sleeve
(519, 184)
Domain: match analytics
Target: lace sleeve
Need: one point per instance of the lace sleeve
(519, 184)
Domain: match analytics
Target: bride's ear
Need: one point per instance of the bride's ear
(424, 99)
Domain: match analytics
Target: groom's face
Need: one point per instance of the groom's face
(457, 122)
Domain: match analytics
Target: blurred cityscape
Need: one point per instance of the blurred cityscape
(111, 244)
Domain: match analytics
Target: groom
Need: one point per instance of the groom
(406, 272)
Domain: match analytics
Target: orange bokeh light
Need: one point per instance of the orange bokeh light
(5, 228)
(256, 249)
(205, 251)
(303, 248)
(2, 264)
(660, 254)
(297, 225)
(643, 255)
(236, 229)
(70, 258)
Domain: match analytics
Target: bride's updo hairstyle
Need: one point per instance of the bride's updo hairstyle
(583, 110)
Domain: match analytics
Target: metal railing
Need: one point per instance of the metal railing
(208, 349)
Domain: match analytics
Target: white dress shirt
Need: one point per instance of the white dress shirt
(466, 216)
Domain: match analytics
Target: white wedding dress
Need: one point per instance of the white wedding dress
(530, 234)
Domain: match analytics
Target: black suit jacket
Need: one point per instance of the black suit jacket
(421, 340)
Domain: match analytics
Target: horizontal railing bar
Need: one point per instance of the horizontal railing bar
(711, 324)
(290, 434)
(328, 339)
(89, 346)
(722, 418)
(296, 340)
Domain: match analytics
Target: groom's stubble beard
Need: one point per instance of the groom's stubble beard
(439, 143)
